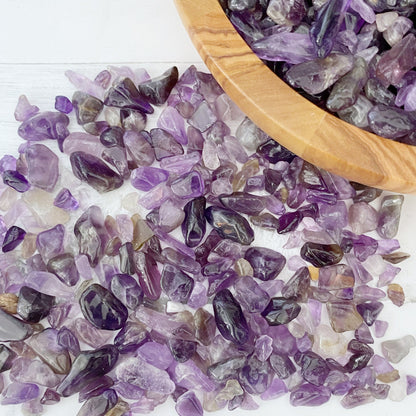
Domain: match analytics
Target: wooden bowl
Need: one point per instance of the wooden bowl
(293, 121)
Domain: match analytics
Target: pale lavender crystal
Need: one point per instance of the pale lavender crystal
(395, 32)
(381, 365)
(25, 370)
(46, 346)
(24, 109)
(203, 117)
(388, 275)
(391, 122)
(290, 47)
(43, 126)
(138, 148)
(345, 91)
(103, 78)
(7, 162)
(249, 135)
(88, 333)
(357, 397)
(189, 405)
(68, 341)
(276, 389)
(155, 354)
(137, 371)
(116, 156)
(91, 235)
(363, 377)
(190, 376)
(411, 384)
(250, 295)
(83, 83)
(333, 217)
(146, 178)
(309, 395)
(50, 242)
(19, 393)
(13, 329)
(395, 350)
(87, 143)
(172, 122)
(65, 200)
(43, 166)
(317, 75)
(364, 10)
(164, 144)
(362, 217)
(389, 216)
(189, 185)
(397, 61)
(380, 328)
(180, 164)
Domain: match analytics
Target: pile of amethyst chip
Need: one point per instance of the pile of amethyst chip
(197, 260)
(355, 58)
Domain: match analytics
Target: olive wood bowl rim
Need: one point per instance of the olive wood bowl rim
(319, 138)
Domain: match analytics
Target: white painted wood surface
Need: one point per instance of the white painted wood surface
(40, 39)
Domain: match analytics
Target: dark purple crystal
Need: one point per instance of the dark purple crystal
(370, 311)
(14, 236)
(280, 311)
(182, 350)
(63, 266)
(243, 202)
(125, 94)
(113, 136)
(176, 284)
(32, 305)
(157, 90)
(229, 317)
(6, 358)
(87, 366)
(320, 255)
(229, 224)
(194, 224)
(266, 263)
(87, 108)
(95, 172)
(15, 180)
(274, 152)
(282, 365)
(102, 308)
(314, 368)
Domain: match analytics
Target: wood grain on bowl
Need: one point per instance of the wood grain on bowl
(296, 123)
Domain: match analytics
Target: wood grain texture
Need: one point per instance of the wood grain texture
(293, 121)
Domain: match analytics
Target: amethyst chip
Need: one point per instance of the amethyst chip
(101, 308)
